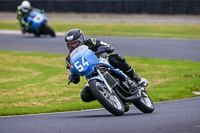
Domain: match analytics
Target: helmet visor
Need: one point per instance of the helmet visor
(72, 45)
(25, 9)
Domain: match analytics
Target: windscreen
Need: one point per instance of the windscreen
(77, 50)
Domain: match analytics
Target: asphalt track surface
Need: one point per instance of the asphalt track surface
(182, 116)
(178, 49)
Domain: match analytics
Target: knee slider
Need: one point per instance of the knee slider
(86, 94)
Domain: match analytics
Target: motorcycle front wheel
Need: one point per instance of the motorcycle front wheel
(49, 30)
(109, 101)
(145, 103)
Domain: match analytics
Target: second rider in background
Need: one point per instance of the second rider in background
(23, 11)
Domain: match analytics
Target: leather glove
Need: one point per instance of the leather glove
(109, 49)
(144, 82)
(105, 49)
(68, 66)
(41, 11)
(73, 78)
(101, 49)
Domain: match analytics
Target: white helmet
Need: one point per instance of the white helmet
(25, 6)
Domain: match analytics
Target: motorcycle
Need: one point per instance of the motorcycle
(108, 85)
(38, 24)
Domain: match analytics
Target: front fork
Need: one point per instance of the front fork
(106, 83)
(118, 72)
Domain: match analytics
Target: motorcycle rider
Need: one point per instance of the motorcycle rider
(75, 38)
(23, 12)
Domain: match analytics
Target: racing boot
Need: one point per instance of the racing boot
(23, 30)
(134, 76)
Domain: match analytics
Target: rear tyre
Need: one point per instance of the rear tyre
(110, 101)
(145, 103)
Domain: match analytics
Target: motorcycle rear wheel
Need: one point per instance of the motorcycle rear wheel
(109, 101)
(145, 103)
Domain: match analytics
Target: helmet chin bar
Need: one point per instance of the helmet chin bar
(70, 47)
(74, 44)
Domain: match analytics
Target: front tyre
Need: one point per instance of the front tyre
(36, 34)
(49, 30)
(110, 101)
(145, 104)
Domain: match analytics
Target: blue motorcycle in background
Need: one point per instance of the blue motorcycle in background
(108, 84)
(38, 24)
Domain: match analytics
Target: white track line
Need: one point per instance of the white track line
(19, 32)
(63, 33)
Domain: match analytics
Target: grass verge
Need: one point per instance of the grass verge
(37, 82)
(121, 29)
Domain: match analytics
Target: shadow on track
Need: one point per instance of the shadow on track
(101, 115)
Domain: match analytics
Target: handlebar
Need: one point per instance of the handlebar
(105, 50)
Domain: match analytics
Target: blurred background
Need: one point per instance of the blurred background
(191, 7)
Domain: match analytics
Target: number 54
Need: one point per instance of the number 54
(79, 66)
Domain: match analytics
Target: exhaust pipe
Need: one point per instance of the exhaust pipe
(134, 98)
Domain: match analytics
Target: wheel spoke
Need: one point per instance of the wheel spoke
(110, 97)
(145, 99)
